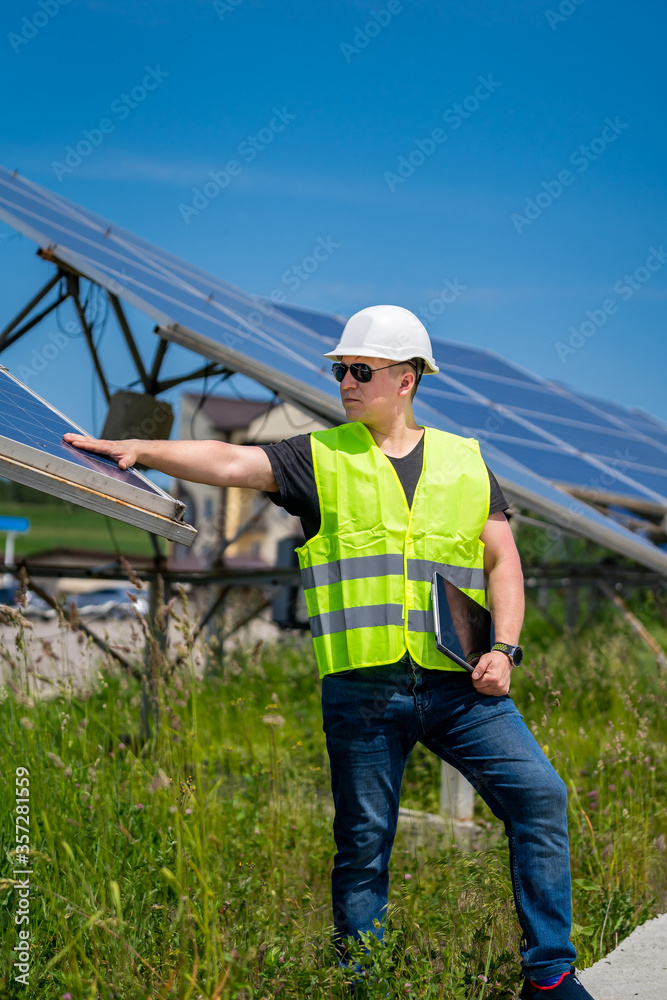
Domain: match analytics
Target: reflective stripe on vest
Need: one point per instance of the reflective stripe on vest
(367, 573)
(371, 616)
(390, 564)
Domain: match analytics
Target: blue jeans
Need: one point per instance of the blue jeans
(373, 716)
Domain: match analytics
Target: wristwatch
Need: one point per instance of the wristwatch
(515, 653)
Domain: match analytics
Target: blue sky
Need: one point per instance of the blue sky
(540, 197)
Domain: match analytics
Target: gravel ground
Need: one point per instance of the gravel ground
(59, 655)
(637, 968)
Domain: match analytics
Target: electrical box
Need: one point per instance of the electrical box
(137, 415)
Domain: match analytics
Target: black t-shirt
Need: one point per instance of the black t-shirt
(292, 464)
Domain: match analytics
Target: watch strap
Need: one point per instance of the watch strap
(502, 647)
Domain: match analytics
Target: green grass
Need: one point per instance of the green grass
(64, 525)
(199, 866)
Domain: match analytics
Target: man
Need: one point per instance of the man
(384, 501)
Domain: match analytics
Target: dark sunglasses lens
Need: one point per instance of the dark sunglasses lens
(362, 373)
(339, 371)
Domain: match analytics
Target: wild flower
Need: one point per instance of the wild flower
(273, 720)
(159, 780)
(27, 723)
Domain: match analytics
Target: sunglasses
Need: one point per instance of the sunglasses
(362, 372)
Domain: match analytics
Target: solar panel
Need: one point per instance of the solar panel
(528, 489)
(282, 347)
(194, 309)
(32, 451)
(583, 444)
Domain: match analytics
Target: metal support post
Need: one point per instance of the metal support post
(156, 645)
(32, 322)
(129, 340)
(160, 352)
(30, 306)
(73, 289)
(457, 796)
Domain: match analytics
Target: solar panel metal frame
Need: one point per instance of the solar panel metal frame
(152, 509)
(321, 400)
(317, 403)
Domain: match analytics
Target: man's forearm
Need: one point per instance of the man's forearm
(196, 461)
(506, 600)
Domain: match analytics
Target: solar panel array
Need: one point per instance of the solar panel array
(567, 438)
(177, 295)
(533, 434)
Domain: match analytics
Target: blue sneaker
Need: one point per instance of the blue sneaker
(566, 987)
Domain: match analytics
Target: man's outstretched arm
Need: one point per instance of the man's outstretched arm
(215, 463)
(502, 568)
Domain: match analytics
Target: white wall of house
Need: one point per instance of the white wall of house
(220, 513)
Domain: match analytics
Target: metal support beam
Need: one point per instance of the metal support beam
(457, 796)
(160, 352)
(73, 290)
(635, 624)
(32, 322)
(156, 645)
(208, 371)
(30, 306)
(246, 526)
(129, 340)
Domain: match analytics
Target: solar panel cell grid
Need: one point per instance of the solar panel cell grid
(26, 419)
(561, 467)
(478, 419)
(476, 360)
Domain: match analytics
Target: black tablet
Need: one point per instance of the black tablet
(462, 626)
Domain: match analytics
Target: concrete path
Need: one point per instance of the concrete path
(637, 968)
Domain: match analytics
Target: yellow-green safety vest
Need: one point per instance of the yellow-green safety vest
(367, 572)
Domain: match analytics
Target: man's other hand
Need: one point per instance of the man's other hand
(492, 673)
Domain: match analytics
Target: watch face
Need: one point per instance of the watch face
(518, 655)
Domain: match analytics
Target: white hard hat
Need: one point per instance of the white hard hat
(390, 332)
